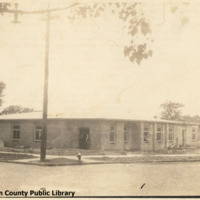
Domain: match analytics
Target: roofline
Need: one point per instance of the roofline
(108, 119)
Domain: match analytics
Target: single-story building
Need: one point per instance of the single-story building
(97, 133)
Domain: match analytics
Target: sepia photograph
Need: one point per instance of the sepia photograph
(99, 99)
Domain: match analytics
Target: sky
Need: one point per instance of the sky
(87, 69)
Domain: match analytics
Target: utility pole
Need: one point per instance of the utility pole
(45, 97)
(4, 8)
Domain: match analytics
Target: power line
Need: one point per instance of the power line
(4, 8)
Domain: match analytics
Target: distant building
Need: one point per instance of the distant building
(97, 133)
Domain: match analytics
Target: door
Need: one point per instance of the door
(84, 138)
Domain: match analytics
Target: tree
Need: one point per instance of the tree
(135, 21)
(16, 109)
(188, 118)
(171, 110)
(2, 87)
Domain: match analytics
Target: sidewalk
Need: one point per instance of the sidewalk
(58, 160)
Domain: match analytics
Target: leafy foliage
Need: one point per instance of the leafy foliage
(16, 109)
(178, 10)
(134, 19)
(188, 118)
(171, 110)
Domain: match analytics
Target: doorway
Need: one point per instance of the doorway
(84, 138)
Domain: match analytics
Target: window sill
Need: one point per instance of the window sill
(37, 140)
(15, 140)
(112, 142)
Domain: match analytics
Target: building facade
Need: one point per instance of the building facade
(98, 133)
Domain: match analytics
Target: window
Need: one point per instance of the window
(159, 133)
(193, 134)
(171, 133)
(126, 134)
(16, 132)
(38, 133)
(112, 134)
(146, 133)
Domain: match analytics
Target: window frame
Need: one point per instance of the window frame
(147, 138)
(112, 132)
(159, 132)
(171, 127)
(16, 131)
(40, 133)
(193, 134)
(126, 134)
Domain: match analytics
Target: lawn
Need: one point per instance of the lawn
(57, 162)
(11, 156)
(147, 158)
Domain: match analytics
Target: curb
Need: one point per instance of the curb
(39, 164)
(94, 163)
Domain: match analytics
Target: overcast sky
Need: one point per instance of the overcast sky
(88, 71)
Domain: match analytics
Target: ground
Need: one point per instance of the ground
(105, 179)
(13, 156)
(60, 158)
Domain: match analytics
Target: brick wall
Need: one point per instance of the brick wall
(164, 143)
(135, 136)
(5, 129)
(147, 145)
(105, 139)
(65, 134)
(190, 141)
(133, 142)
(61, 133)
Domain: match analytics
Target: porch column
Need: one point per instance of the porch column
(154, 135)
(141, 135)
(166, 135)
(184, 132)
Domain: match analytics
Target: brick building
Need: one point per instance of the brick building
(97, 133)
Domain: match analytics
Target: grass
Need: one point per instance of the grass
(58, 162)
(61, 161)
(147, 158)
(11, 156)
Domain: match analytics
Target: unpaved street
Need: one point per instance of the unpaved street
(110, 179)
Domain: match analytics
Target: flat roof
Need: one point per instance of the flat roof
(62, 116)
